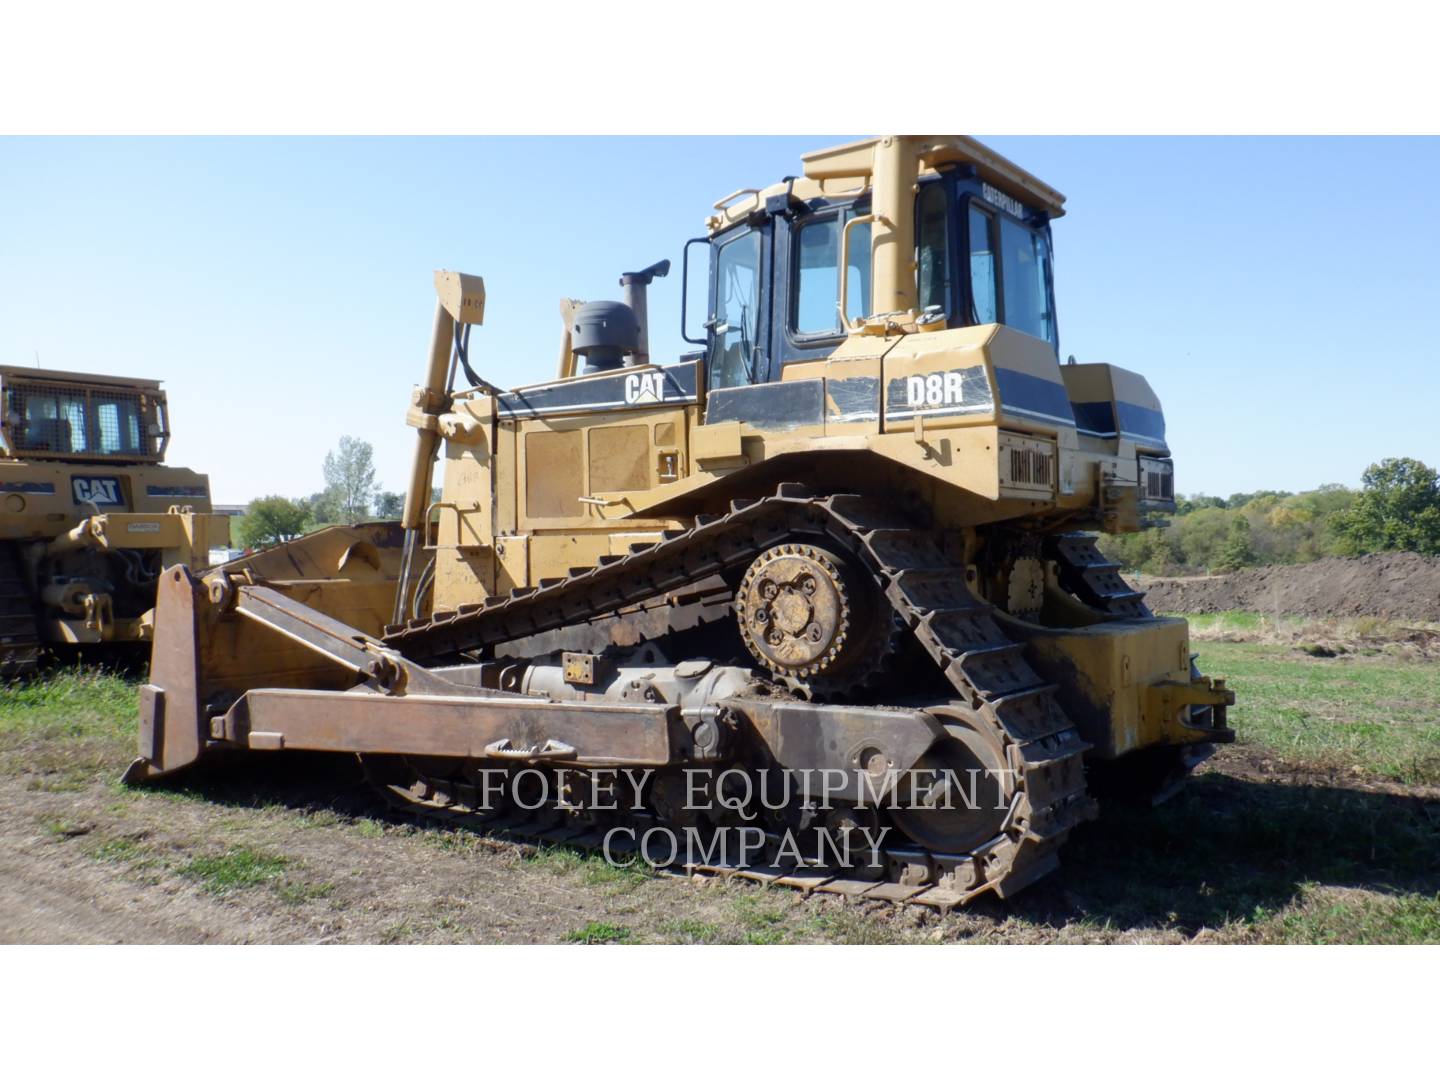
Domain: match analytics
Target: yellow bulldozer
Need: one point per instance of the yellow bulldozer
(91, 514)
(823, 591)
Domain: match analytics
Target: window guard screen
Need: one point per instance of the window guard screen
(44, 419)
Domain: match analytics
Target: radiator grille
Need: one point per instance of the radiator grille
(1030, 467)
(1157, 480)
(1027, 465)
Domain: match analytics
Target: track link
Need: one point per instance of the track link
(1085, 572)
(925, 585)
(909, 877)
(19, 632)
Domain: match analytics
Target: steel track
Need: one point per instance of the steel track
(925, 584)
(19, 632)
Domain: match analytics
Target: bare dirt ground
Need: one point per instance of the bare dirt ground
(1254, 850)
(1393, 585)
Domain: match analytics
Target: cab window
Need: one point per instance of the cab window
(54, 422)
(983, 307)
(932, 246)
(119, 426)
(817, 276)
(1027, 304)
(735, 322)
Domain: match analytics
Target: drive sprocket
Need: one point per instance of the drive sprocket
(794, 610)
(811, 617)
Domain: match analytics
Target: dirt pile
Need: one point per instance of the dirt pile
(1393, 585)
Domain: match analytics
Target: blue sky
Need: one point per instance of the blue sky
(1278, 293)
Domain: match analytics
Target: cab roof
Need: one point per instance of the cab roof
(845, 169)
(8, 371)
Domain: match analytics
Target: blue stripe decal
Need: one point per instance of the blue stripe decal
(1141, 423)
(1095, 417)
(772, 406)
(29, 487)
(1033, 395)
(628, 388)
(852, 400)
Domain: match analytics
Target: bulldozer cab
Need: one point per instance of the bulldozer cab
(62, 416)
(979, 255)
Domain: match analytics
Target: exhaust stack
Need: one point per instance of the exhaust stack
(635, 283)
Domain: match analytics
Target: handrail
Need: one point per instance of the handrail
(843, 303)
(441, 504)
(735, 195)
(685, 291)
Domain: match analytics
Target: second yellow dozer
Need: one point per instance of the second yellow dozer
(817, 604)
(90, 513)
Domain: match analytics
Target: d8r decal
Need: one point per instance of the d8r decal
(935, 390)
(942, 393)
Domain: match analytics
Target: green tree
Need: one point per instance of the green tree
(1326, 499)
(1398, 510)
(1327, 503)
(1237, 552)
(1236, 501)
(350, 478)
(1199, 535)
(1299, 528)
(389, 504)
(272, 519)
(1185, 504)
(324, 509)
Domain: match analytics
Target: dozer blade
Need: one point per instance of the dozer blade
(258, 671)
(209, 649)
(169, 732)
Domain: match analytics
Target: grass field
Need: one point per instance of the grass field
(1375, 716)
(1321, 825)
(1370, 706)
(71, 704)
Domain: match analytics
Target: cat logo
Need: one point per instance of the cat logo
(934, 390)
(100, 490)
(644, 388)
